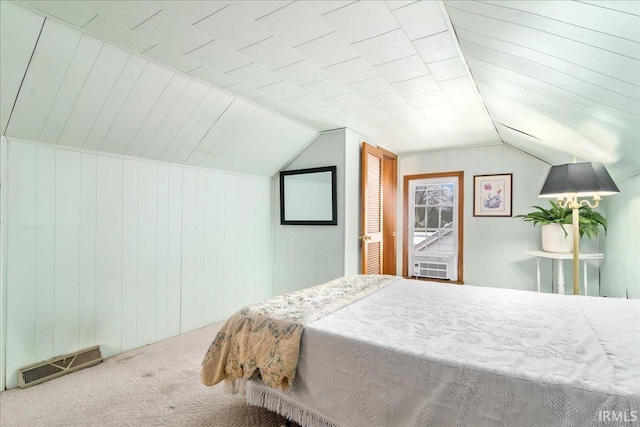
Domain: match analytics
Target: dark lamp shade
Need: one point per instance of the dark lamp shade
(581, 179)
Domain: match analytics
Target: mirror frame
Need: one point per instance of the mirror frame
(334, 196)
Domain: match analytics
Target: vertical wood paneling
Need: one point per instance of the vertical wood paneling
(21, 248)
(147, 247)
(129, 254)
(210, 248)
(87, 274)
(201, 221)
(189, 239)
(232, 245)
(45, 250)
(122, 252)
(308, 255)
(162, 253)
(3, 258)
(109, 255)
(67, 252)
(174, 266)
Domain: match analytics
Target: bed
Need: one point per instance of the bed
(415, 353)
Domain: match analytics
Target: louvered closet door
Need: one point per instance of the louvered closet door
(371, 236)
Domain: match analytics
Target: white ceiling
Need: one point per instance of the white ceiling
(557, 78)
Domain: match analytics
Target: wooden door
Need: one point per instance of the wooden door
(378, 192)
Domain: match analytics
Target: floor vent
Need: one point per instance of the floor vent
(57, 366)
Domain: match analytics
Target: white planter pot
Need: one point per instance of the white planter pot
(554, 239)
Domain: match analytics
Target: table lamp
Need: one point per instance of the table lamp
(567, 183)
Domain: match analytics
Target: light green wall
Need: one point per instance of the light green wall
(620, 273)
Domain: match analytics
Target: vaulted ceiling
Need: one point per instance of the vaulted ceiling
(245, 85)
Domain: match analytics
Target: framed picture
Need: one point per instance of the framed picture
(492, 195)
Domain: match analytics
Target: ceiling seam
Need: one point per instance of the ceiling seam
(15, 101)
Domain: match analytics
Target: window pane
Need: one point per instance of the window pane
(418, 238)
(419, 218)
(433, 217)
(447, 194)
(421, 198)
(447, 215)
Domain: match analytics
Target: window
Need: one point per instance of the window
(433, 245)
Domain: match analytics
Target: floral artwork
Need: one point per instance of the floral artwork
(492, 195)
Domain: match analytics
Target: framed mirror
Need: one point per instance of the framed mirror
(309, 196)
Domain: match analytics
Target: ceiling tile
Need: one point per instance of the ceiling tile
(351, 71)
(282, 90)
(306, 102)
(233, 28)
(271, 103)
(427, 99)
(398, 111)
(395, 4)
(118, 35)
(344, 102)
(421, 19)
(448, 69)
(172, 32)
(362, 20)
(328, 50)
(325, 113)
(361, 112)
(436, 47)
(272, 53)
(437, 110)
(414, 121)
(455, 86)
(386, 47)
(213, 77)
(403, 69)
(219, 56)
(327, 6)
(67, 11)
(296, 23)
(244, 91)
(191, 11)
(258, 9)
(384, 101)
(129, 14)
(171, 58)
(371, 87)
(255, 75)
(302, 73)
(464, 99)
(418, 85)
(326, 89)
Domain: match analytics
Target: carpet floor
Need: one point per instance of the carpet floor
(156, 385)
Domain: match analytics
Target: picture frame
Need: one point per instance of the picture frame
(309, 196)
(492, 195)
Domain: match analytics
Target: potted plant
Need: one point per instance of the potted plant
(557, 234)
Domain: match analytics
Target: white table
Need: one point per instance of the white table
(559, 258)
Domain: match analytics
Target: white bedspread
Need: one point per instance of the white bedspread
(429, 354)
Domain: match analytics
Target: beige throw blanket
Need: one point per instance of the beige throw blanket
(266, 336)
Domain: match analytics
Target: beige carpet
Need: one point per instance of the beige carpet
(157, 385)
